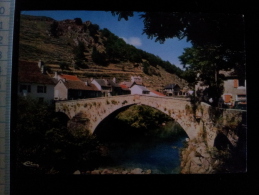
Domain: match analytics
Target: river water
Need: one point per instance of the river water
(161, 157)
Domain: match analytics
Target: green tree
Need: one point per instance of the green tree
(145, 122)
(79, 56)
(99, 58)
(221, 36)
(54, 29)
(146, 68)
(207, 62)
(94, 31)
(78, 21)
(41, 136)
(142, 117)
(64, 66)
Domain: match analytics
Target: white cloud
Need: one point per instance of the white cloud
(135, 41)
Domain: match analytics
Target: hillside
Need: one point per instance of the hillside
(67, 46)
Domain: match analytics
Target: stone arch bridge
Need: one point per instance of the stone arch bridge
(203, 121)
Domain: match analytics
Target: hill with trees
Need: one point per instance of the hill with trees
(82, 48)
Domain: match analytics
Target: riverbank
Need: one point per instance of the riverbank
(111, 171)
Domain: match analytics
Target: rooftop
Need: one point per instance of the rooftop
(29, 72)
(79, 85)
(69, 77)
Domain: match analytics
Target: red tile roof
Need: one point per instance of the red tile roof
(29, 72)
(69, 77)
(79, 85)
(157, 93)
(123, 86)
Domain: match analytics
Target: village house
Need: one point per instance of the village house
(104, 86)
(70, 87)
(139, 89)
(75, 89)
(135, 85)
(109, 87)
(116, 88)
(32, 81)
(65, 77)
(136, 80)
(156, 93)
(234, 88)
(172, 89)
(185, 91)
(124, 89)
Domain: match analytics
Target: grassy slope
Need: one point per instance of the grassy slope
(36, 43)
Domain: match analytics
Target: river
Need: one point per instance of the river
(134, 145)
(161, 157)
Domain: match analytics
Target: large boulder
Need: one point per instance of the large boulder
(136, 171)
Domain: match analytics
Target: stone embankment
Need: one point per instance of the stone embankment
(112, 171)
(196, 159)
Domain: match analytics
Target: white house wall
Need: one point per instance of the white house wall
(136, 90)
(97, 85)
(234, 91)
(61, 91)
(48, 96)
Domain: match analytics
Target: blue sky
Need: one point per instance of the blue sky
(130, 31)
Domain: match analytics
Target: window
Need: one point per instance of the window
(25, 88)
(41, 89)
(241, 97)
(241, 82)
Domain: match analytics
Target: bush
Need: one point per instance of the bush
(78, 21)
(43, 138)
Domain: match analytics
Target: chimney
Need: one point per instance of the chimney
(39, 64)
(42, 69)
(56, 75)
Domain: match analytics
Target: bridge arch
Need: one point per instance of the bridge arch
(194, 124)
(99, 108)
(119, 110)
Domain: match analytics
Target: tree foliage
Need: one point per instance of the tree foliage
(98, 57)
(146, 121)
(118, 50)
(93, 31)
(217, 39)
(64, 66)
(43, 138)
(79, 56)
(142, 117)
(78, 21)
(54, 29)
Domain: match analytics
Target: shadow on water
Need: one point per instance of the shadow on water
(156, 148)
